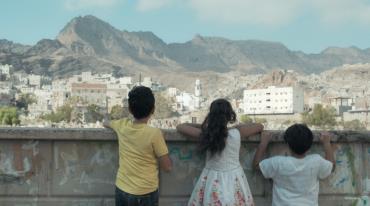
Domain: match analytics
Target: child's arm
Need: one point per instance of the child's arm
(247, 130)
(190, 130)
(165, 163)
(329, 153)
(261, 150)
(106, 121)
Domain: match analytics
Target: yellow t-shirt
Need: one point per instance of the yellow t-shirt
(139, 146)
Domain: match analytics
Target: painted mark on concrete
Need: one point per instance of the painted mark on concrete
(181, 154)
(341, 181)
(19, 162)
(359, 201)
(344, 178)
(85, 167)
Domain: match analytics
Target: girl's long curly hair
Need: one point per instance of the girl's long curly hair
(214, 128)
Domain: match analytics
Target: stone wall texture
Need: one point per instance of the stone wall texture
(77, 167)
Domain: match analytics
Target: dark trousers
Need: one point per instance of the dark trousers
(126, 199)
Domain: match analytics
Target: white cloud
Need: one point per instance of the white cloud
(270, 12)
(87, 4)
(342, 11)
(147, 5)
(267, 12)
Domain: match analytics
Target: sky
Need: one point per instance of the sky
(305, 25)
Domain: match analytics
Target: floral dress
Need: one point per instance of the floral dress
(223, 182)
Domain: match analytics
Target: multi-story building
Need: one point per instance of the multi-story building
(125, 80)
(43, 104)
(172, 92)
(34, 80)
(90, 93)
(273, 100)
(116, 93)
(6, 70)
(341, 104)
(61, 92)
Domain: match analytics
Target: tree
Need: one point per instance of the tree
(354, 125)
(118, 112)
(9, 116)
(261, 120)
(321, 117)
(245, 119)
(117, 72)
(162, 107)
(63, 113)
(25, 100)
(93, 113)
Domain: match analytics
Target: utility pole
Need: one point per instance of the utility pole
(364, 92)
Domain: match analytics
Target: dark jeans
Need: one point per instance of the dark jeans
(126, 199)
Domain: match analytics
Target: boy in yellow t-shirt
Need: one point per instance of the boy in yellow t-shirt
(140, 148)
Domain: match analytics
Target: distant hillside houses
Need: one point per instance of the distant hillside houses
(187, 102)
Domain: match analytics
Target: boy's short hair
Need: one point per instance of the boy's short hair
(141, 102)
(299, 138)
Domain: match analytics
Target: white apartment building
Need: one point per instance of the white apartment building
(116, 93)
(34, 80)
(90, 93)
(61, 92)
(125, 80)
(5, 69)
(147, 82)
(44, 102)
(273, 100)
(187, 101)
(172, 91)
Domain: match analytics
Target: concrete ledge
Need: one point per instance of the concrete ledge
(74, 167)
(31, 133)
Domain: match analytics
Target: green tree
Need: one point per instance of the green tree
(63, 113)
(261, 120)
(356, 125)
(118, 112)
(26, 99)
(245, 119)
(117, 72)
(287, 122)
(321, 117)
(163, 107)
(93, 113)
(9, 116)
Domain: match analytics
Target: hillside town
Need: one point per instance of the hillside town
(82, 100)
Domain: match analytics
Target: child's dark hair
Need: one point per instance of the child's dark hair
(214, 127)
(141, 102)
(299, 138)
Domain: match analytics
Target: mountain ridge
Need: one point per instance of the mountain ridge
(89, 43)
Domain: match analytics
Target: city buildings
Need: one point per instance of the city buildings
(341, 104)
(90, 93)
(273, 100)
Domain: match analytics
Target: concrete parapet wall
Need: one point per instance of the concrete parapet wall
(77, 167)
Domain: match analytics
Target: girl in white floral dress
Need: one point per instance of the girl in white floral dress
(222, 182)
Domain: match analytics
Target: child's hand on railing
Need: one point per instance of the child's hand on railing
(266, 137)
(325, 137)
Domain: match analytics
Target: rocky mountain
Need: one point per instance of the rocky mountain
(88, 43)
